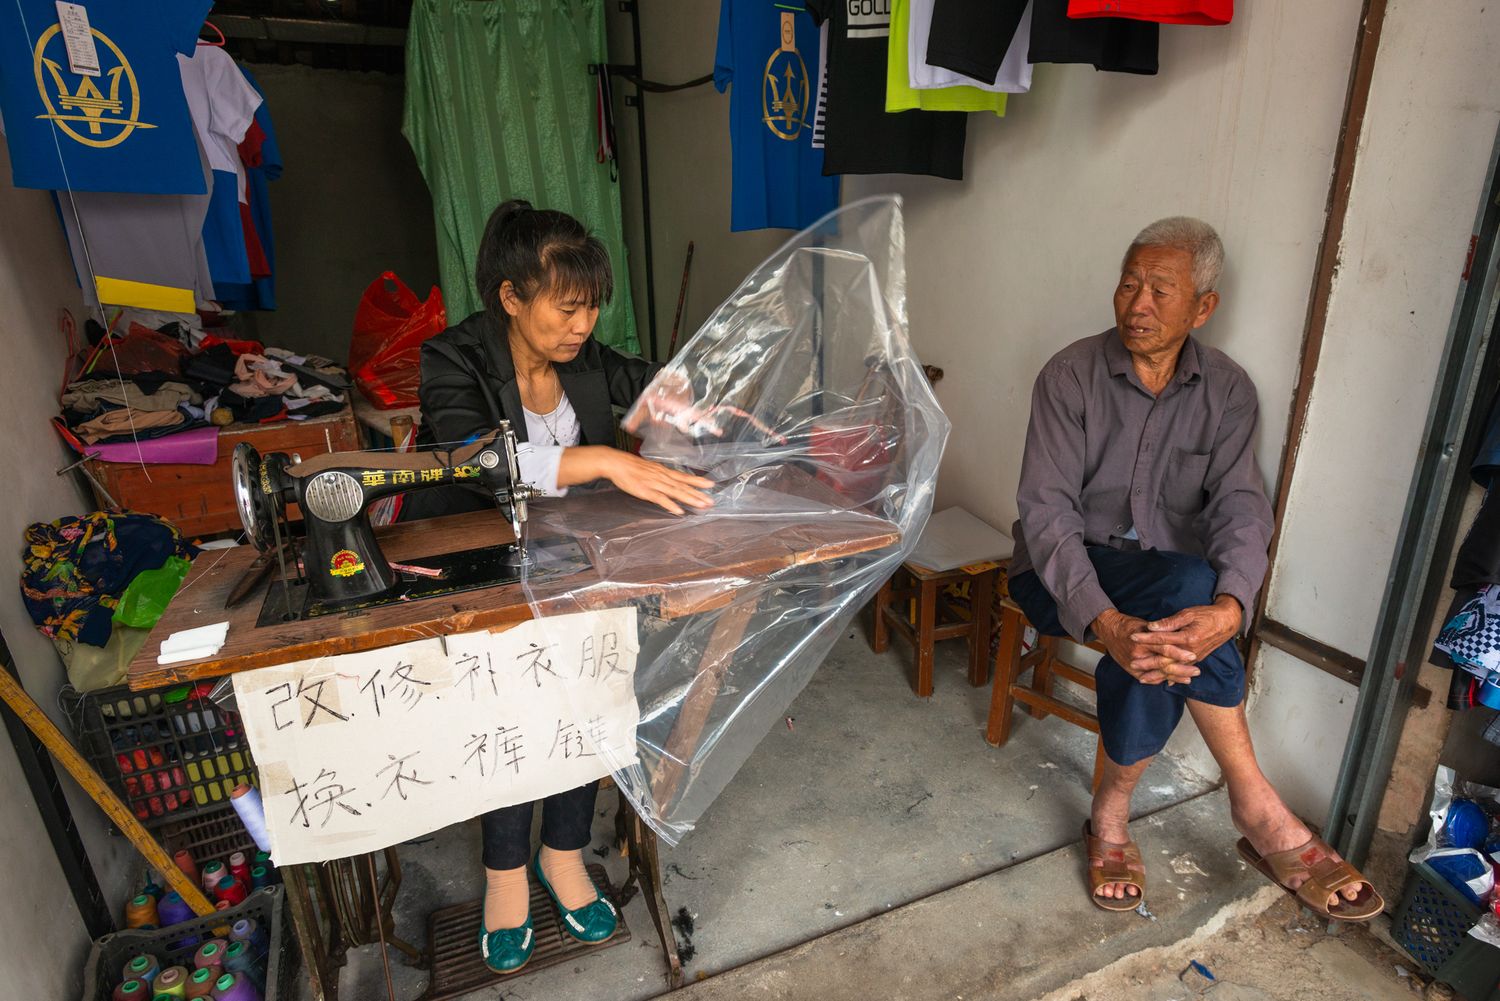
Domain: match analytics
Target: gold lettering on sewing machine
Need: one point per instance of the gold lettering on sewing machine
(403, 476)
(431, 475)
(373, 477)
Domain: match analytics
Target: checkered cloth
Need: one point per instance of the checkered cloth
(1472, 635)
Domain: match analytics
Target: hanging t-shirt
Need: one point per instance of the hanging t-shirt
(126, 129)
(769, 53)
(262, 161)
(222, 104)
(901, 96)
(820, 115)
(1114, 44)
(1161, 11)
(860, 136)
(974, 37)
(1011, 37)
(139, 250)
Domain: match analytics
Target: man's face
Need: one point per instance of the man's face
(1156, 303)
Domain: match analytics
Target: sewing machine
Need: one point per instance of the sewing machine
(338, 565)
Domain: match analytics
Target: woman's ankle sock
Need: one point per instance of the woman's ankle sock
(569, 879)
(507, 898)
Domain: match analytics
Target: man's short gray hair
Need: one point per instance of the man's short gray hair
(1198, 238)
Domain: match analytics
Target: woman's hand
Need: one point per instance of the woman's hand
(650, 481)
(669, 401)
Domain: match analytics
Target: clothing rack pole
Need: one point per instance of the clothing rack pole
(638, 101)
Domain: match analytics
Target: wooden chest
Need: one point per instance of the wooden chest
(199, 499)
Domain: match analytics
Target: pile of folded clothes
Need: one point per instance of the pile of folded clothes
(149, 383)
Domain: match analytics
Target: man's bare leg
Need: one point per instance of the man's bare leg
(1255, 807)
(1110, 815)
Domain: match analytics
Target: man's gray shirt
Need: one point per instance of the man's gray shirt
(1103, 455)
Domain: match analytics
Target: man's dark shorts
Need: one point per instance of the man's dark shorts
(1135, 720)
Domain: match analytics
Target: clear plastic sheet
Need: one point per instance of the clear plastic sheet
(801, 398)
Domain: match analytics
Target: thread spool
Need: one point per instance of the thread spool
(141, 912)
(246, 800)
(232, 988)
(153, 889)
(201, 983)
(172, 982)
(130, 990)
(240, 960)
(1489, 691)
(239, 867)
(232, 890)
(173, 909)
(259, 877)
(144, 968)
(212, 873)
(249, 931)
(210, 954)
(184, 860)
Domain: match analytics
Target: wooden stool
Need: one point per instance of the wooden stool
(937, 618)
(1045, 664)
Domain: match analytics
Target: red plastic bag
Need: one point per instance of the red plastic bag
(389, 328)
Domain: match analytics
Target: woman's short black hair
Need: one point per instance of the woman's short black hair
(540, 251)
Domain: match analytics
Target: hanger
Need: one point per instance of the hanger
(222, 40)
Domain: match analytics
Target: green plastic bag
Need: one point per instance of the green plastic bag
(146, 597)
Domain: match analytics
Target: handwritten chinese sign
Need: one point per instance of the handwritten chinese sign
(361, 751)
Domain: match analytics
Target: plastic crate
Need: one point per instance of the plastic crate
(214, 835)
(169, 753)
(1433, 925)
(170, 945)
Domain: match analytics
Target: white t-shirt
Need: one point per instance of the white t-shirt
(222, 104)
(540, 456)
(1015, 71)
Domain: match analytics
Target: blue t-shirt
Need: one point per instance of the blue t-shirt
(126, 129)
(769, 51)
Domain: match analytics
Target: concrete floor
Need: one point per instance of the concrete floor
(1261, 953)
(871, 799)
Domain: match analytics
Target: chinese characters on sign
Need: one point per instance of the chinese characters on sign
(361, 751)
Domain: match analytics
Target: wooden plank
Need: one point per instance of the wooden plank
(199, 499)
(92, 783)
(625, 541)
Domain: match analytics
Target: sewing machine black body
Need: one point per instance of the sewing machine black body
(338, 566)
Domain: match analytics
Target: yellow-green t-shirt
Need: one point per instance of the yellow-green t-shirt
(901, 96)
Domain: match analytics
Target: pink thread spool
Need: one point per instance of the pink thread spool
(210, 955)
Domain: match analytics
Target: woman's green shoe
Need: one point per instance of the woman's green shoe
(593, 922)
(506, 950)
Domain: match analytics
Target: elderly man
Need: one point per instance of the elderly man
(1144, 524)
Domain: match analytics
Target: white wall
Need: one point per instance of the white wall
(1434, 108)
(42, 939)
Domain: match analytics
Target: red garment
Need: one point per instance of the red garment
(237, 346)
(259, 266)
(1162, 11)
(250, 146)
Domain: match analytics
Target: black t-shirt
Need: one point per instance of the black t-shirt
(1116, 44)
(860, 136)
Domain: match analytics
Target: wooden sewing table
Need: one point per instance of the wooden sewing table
(705, 550)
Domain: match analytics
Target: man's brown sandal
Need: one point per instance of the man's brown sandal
(1121, 864)
(1326, 875)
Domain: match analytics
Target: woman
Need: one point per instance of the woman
(529, 359)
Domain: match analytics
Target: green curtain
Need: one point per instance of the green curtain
(500, 104)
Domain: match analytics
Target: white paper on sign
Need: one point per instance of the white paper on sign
(361, 751)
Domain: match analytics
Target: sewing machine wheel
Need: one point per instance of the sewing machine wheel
(257, 508)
